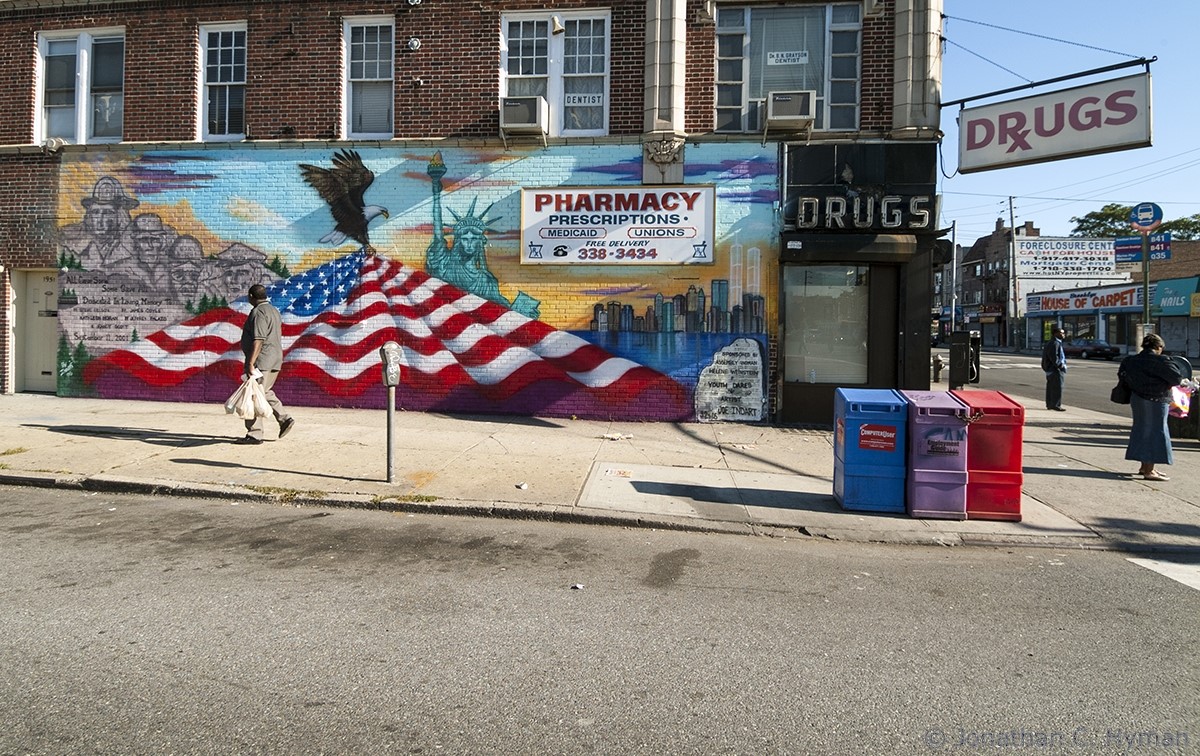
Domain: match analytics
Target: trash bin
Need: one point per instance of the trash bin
(994, 439)
(1187, 426)
(937, 455)
(869, 449)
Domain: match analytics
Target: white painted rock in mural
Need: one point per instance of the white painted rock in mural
(733, 386)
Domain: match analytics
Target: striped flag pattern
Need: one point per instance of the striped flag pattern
(461, 353)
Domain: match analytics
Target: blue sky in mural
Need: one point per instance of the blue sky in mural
(267, 204)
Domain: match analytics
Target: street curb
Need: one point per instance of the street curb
(559, 514)
(453, 507)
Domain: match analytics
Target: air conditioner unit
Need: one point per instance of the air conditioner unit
(524, 115)
(791, 110)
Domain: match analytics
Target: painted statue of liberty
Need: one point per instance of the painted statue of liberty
(464, 263)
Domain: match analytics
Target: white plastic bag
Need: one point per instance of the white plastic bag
(249, 401)
(258, 397)
(231, 404)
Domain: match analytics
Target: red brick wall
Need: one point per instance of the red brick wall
(294, 66)
(878, 72)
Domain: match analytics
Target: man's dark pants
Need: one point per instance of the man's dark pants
(1054, 388)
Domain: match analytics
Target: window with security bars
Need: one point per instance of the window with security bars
(565, 59)
(765, 49)
(82, 86)
(224, 81)
(370, 76)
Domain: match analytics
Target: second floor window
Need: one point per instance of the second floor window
(370, 67)
(563, 58)
(82, 84)
(224, 81)
(788, 48)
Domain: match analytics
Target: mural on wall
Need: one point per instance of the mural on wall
(159, 263)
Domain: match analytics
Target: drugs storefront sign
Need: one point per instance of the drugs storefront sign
(617, 225)
(1102, 117)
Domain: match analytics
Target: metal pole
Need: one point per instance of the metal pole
(391, 423)
(1011, 305)
(953, 276)
(1145, 281)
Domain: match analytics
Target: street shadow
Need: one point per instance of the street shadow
(1095, 474)
(805, 501)
(1130, 534)
(154, 436)
(260, 468)
(529, 422)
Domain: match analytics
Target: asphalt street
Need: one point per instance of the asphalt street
(139, 624)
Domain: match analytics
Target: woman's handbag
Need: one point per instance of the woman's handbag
(1120, 393)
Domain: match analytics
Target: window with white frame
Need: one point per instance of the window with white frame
(370, 73)
(766, 49)
(82, 77)
(564, 58)
(223, 81)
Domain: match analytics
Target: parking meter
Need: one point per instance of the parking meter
(392, 357)
(965, 347)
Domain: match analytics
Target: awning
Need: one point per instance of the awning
(850, 248)
(1173, 296)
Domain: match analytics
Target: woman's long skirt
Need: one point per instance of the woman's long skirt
(1149, 439)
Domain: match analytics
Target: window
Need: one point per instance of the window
(82, 86)
(783, 49)
(370, 70)
(825, 314)
(223, 81)
(563, 58)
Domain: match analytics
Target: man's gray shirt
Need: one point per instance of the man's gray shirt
(264, 322)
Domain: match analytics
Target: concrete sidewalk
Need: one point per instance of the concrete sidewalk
(1078, 491)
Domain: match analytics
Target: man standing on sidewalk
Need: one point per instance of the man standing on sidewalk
(1054, 363)
(262, 344)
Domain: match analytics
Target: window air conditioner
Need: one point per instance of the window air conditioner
(791, 110)
(524, 115)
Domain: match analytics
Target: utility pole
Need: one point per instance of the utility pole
(1011, 305)
(953, 276)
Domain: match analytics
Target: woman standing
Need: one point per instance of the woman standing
(1150, 377)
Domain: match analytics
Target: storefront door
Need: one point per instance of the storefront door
(36, 329)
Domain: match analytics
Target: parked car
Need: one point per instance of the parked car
(1088, 348)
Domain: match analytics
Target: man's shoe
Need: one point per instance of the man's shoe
(248, 440)
(286, 426)
(1058, 409)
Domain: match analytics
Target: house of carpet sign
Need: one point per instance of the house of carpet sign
(618, 225)
(1125, 296)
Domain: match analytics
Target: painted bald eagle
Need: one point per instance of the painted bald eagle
(342, 187)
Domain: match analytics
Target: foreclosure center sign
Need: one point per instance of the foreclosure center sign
(1065, 257)
(617, 225)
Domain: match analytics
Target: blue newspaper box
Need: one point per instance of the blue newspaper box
(937, 455)
(869, 437)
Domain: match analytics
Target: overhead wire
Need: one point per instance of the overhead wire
(948, 41)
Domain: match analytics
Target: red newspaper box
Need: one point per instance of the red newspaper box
(994, 438)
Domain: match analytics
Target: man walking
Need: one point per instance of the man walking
(262, 344)
(1054, 363)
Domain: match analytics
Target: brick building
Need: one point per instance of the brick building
(678, 210)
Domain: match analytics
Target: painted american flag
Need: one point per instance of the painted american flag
(461, 353)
